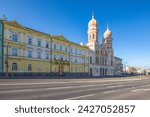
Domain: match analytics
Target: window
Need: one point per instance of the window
(14, 66)
(60, 57)
(97, 60)
(75, 51)
(15, 37)
(29, 53)
(55, 46)
(30, 40)
(14, 51)
(75, 60)
(71, 58)
(54, 56)
(39, 55)
(47, 56)
(29, 67)
(47, 44)
(60, 47)
(66, 49)
(66, 58)
(93, 36)
(71, 50)
(90, 60)
(39, 43)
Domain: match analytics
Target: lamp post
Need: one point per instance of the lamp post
(7, 55)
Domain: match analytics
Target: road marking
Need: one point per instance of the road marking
(44, 89)
(146, 89)
(70, 87)
(85, 86)
(79, 97)
(115, 86)
(55, 88)
(15, 91)
(112, 91)
(136, 90)
(140, 90)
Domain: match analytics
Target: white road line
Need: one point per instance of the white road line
(136, 90)
(111, 91)
(44, 89)
(115, 86)
(79, 97)
(55, 88)
(140, 90)
(15, 91)
(85, 86)
(146, 89)
(70, 87)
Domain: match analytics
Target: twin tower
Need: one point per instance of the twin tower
(93, 34)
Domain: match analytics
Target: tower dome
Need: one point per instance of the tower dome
(107, 33)
(92, 22)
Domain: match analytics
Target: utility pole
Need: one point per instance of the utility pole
(51, 55)
(7, 56)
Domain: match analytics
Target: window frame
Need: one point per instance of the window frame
(15, 36)
(47, 44)
(29, 67)
(39, 44)
(30, 40)
(14, 67)
(13, 52)
(39, 55)
(30, 52)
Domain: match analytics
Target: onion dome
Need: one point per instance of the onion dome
(92, 22)
(107, 33)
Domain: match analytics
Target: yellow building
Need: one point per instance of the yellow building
(31, 52)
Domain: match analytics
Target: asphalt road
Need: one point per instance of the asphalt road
(135, 88)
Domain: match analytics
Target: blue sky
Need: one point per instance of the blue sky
(129, 21)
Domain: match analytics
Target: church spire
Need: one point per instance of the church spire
(93, 14)
(107, 26)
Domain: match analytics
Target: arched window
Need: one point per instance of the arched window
(29, 67)
(93, 36)
(97, 60)
(14, 66)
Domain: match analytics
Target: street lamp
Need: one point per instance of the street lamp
(9, 36)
